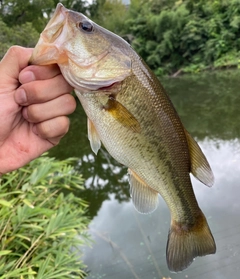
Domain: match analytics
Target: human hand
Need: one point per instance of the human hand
(30, 125)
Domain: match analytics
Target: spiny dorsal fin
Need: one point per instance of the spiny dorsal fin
(122, 115)
(200, 167)
(144, 198)
(93, 137)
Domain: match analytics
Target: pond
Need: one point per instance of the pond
(129, 245)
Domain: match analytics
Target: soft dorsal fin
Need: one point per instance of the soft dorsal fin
(200, 167)
(144, 198)
(122, 115)
(93, 137)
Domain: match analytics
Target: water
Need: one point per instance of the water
(129, 245)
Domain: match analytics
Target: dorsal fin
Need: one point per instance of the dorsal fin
(144, 198)
(93, 137)
(200, 167)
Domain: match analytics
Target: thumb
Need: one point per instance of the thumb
(11, 65)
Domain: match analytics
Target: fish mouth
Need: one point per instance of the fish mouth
(108, 87)
(47, 51)
(111, 87)
(50, 50)
(59, 43)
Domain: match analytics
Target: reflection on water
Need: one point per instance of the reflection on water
(131, 245)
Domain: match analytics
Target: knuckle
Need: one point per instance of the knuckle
(69, 102)
(13, 50)
(43, 130)
(39, 96)
(33, 114)
(54, 128)
(64, 123)
(34, 93)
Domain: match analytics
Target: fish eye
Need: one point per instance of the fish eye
(86, 26)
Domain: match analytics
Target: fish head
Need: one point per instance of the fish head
(89, 56)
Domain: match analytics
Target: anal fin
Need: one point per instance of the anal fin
(200, 167)
(93, 137)
(144, 198)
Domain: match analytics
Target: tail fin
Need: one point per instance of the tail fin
(186, 242)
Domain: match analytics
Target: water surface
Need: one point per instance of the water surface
(130, 245)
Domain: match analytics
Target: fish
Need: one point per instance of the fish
(131, 115)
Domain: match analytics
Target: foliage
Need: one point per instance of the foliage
(75, 5)
(170, 35)
(22, 21)
(110, 14)
(38, 12)
(23, 35)
(43, 223)
(187, 34)
(18, 12)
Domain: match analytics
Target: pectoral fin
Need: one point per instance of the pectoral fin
(93, 137)
(200, 167)
(144, 198)
(122, 115)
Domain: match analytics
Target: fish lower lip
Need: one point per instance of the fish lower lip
(106, 88)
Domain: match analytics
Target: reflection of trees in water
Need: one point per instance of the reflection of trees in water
(104, 176)
(208, 106)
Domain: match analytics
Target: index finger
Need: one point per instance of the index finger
(14, 61)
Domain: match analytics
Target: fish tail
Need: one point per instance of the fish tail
(185, 242)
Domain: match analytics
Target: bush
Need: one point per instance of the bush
(23, 35)
(186, 35)
(43, 223)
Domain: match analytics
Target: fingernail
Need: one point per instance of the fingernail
(27, 77)
(20, 96)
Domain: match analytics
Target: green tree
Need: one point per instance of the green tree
(75, 5)
(18, 12)
(110, 14)
(188, 34)
(23, 35)
(22, 21)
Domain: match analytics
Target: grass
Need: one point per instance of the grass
(43, 224)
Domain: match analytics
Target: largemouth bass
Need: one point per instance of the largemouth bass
(131, 115)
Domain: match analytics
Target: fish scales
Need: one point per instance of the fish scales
(131, 143)
(155, 125)
(132, 116)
